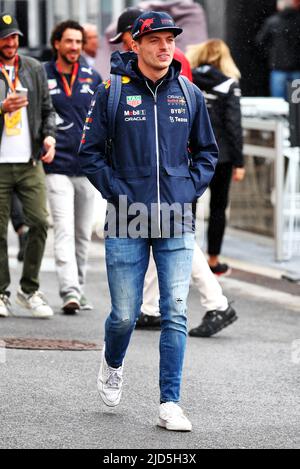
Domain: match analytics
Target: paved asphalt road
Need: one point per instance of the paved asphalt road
(240, 389)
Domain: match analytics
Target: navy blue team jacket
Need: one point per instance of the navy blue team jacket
(70, 116)
(159, 156)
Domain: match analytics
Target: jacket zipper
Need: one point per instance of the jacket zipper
(157, 154)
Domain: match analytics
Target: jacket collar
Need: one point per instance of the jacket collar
(82, 63)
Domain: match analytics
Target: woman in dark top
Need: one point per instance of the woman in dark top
(216, 74)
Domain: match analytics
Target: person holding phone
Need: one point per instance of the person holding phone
(27, 135)
(22, 92)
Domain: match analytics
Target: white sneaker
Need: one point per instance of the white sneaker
(171, 417)
(110, 382)
(36, 303)
(5, 306)
(84, 304)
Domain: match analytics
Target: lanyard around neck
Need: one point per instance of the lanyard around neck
(12, 84)
(68, 89)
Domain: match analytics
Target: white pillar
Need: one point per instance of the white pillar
(49, 18)
(34, 39)
(79, 11)
(118, 6)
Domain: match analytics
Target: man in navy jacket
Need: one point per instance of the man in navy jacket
(162, 158)
(71, 84)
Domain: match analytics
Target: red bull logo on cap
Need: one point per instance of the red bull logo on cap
(146, 24)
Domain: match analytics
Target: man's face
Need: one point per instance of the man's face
(92, 43)
(9, 47)
(127, 41)
(69, 47)
(155, 50)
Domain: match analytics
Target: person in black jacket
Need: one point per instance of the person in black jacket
(216, 74)
(279, 40)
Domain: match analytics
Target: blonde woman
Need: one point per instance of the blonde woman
(216, 74)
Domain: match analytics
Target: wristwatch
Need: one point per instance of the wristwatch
(1, 107)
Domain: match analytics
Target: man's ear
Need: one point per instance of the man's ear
(56, 44)
(135, 46)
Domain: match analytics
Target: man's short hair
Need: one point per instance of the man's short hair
(60, 28)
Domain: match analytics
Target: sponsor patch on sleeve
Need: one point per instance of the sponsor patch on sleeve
(126, 80)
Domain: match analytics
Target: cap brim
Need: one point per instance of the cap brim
(176, 31)
(10, 32)
(117, 39)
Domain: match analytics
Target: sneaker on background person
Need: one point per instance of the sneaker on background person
(5, 306)
(85, 305)
(220, 269)
(147, 321)
(70, 305)
(213, 322)
(35, 303)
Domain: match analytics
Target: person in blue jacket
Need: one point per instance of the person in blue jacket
(71, 84)
(161, 158)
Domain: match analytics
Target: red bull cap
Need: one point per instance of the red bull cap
(153, 21)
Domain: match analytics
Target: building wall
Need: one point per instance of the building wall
(243, 21)
(216, 17)
(238, 22)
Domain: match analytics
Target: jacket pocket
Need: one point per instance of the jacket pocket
(136, 172)
(132, 182)
(179, 171)
(177, 185)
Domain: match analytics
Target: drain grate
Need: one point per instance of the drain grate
(48, 344)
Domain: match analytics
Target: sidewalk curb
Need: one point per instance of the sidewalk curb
(270, 272)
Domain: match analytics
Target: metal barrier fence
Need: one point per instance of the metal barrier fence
(269, 200)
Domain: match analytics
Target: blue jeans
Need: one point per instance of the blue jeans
(279, 82)
(127, 262)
